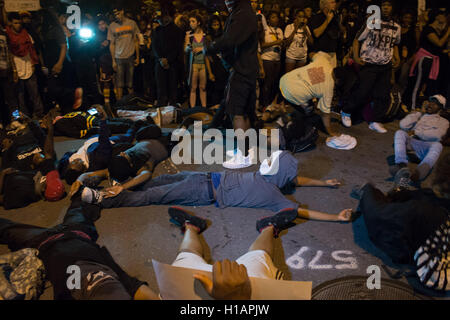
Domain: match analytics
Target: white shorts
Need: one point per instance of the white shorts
(258, 264)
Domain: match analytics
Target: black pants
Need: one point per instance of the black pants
(79, 216)
(167, 81)
(375, 83)
(271, 81)
(30, 86)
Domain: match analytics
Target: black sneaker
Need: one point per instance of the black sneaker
(396, 168)
(402, 180)
(280, 221)
(181, 217)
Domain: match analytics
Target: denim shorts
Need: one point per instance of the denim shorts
(125, 72)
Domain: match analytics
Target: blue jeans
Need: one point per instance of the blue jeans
(184, 188)
(428, 152)
(125, 73)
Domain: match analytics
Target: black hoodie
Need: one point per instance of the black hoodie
(239, 43)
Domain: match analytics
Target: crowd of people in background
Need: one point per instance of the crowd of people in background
(206, 63)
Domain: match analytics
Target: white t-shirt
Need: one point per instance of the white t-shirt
(82, 152)
(314, 80)
(298, 50)
(378, 45)
(24, 65)
(270, 35)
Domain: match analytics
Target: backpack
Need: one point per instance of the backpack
(298, 131)
(22, 275)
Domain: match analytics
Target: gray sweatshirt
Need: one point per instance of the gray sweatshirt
(427, 127)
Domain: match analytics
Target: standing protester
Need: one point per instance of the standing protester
(271, 47)
(24, 58)
(219, 71)
(239, 46)
(326, 29)
(198, 64)
(298, 38)
(6, 92)
(430, 60)
(378, 54)
(104, 59)
(168, 55)
(124, 47)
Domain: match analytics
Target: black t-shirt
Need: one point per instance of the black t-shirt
(25, 144)
(18, 190)
(427, 44)
(328, 41)
(146, 150)
(52, 41)
(75, 124)
(408, 40)
(58, 255)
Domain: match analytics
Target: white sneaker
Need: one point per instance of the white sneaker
(238, 161)
(91, 196)
(232, 153)
(346, 120)
(378, 127)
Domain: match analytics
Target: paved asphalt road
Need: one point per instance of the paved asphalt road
(311, 251)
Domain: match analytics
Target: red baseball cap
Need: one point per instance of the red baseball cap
(55, 188)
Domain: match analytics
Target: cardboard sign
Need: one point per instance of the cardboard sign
(177, 283)
(22, 5)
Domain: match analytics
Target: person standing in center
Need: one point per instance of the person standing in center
(239, 47)
(124, 47)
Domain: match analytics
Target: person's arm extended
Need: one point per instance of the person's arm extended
(326, 120)
(396, 58)
(309, 182)
(356, 56)
(137, 48)
(62, 56)
(343, 216)
(143, 175)
(209, 69)
(49, 146)
(433, 38)
(101, 174)
(112, 50)
(145, 293)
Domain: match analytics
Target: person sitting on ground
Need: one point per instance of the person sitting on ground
(19, 188)
(96, 153)
(421, 132)
(315, 80)
(257, 262)
(412, 226)
(73, 243)
(225, 189)
(131, 167)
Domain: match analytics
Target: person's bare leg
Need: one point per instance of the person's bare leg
(194, 85)
(191, 241)
(264, 241)
(202, 87)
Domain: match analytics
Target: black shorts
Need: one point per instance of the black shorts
(240, 96)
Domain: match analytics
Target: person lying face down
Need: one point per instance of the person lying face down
(96, 152)
(262, 189)
(132, 166)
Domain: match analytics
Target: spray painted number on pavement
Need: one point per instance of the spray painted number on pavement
(345, 257)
